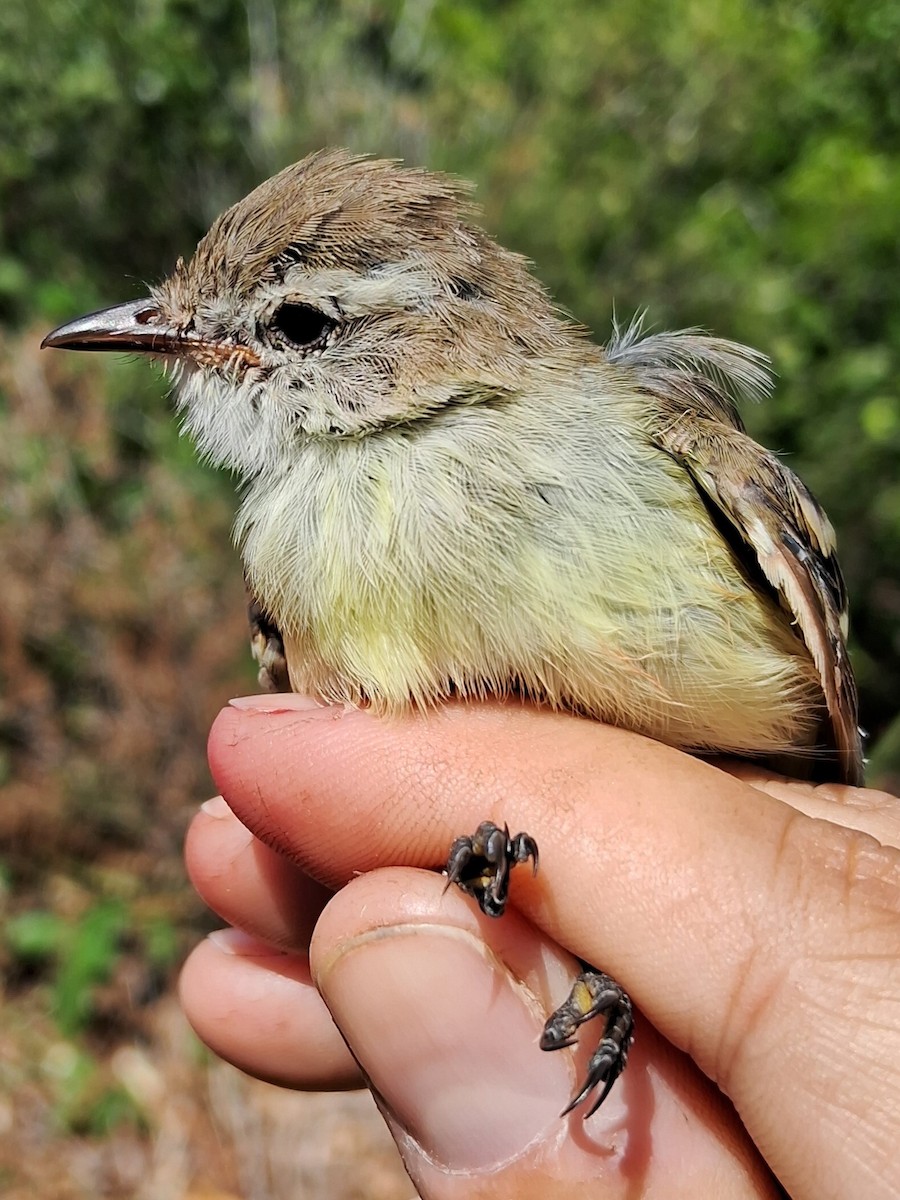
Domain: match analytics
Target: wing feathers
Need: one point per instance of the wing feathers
(696, 381)
(792, 541)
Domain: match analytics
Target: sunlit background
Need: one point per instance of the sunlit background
(731, 165)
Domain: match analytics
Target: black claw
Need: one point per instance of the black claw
(604, 1068)
(594, 994)
(480, 865)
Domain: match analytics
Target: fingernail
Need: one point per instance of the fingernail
(216, 806)
(240, 944)
(449, 1040)
(287, 702)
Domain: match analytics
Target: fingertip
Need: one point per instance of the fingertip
(213, 841)
(222, 739)
(248, 884)
(217, 807)
(257, 1008)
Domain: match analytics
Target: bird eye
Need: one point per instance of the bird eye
(301, 325)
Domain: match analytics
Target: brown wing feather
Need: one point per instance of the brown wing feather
(782, 526)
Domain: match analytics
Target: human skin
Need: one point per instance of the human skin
(754, 921)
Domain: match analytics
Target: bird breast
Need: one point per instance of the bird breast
(541, 547)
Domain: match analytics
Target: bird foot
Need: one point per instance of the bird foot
(594, 995)
(267, 648)
(480, 866)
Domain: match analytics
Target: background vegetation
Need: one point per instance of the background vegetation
(733, 165)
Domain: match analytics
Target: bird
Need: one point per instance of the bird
(451, 491)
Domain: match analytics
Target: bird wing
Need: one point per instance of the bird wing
(692, 383)
(774, 522)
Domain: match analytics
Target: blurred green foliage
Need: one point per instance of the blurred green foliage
(731, 165)
(88, 953)
(85, 1101)
(80, 955)
(72, 962)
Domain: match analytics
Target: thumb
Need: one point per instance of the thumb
(443, 1009)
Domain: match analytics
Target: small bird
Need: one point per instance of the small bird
(451, 491)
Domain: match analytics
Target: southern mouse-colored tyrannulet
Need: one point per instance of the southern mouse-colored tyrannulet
(451, 491)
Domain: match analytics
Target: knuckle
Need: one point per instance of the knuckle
(822, 937)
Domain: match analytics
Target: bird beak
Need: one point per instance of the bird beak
(137, 325)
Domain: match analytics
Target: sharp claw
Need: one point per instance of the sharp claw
(593, 994)
(574, 1102)
(608, 1077)
(606, 1090)
(551, 1044)
(480, 865)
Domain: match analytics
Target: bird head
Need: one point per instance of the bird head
(342, 296)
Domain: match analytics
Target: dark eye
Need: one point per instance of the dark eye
(301, 325)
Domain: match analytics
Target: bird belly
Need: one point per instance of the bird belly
(410, 574)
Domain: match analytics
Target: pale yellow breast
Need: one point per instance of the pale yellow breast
(545, 548)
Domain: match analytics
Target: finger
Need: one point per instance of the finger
(243, 998)
(258, 1009)
(864, 809)
(780, 932)
(443, 1008)
(248, 884)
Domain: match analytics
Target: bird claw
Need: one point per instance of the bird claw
(481, 865)
(594, 994)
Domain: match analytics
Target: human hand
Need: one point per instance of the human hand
(755, 923)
